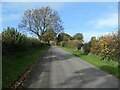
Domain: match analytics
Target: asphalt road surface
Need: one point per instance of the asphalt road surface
(60, 69)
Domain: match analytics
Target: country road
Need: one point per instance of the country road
(60, 69)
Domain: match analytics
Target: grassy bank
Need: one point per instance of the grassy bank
(110, 67)
(14, 66)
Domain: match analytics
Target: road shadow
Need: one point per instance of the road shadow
(44, 66)
(90, 78)
(37, 70)
(80, 79)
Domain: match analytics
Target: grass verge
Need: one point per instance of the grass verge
(14, 66)
(110, 67)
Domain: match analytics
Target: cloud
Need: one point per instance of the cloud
(106, 21)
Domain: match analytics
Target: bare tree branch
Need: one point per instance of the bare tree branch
(41, 19)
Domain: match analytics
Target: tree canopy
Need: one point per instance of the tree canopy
(49, 35)
(64, 37)
(78, 36)
(39, 20)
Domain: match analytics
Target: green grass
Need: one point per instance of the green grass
(110, 67)
(14, 66)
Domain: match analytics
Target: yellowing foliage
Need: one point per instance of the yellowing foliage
(105, 46)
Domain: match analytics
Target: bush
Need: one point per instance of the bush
(86, 48)
(105, 47)
(33, 43)
(74, 44)
(14, 41)
(63, 43)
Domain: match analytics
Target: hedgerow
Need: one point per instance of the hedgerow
(13, 41)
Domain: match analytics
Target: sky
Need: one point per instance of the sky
(88, 18)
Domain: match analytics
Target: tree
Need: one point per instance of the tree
(49, 35)
(38, 21)
(64, 37)
(78, 36)
(92, 41)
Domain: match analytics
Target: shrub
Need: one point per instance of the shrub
(86, 48)
(63, 44)
(105, 47)
(74, 44)
(14, 41)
